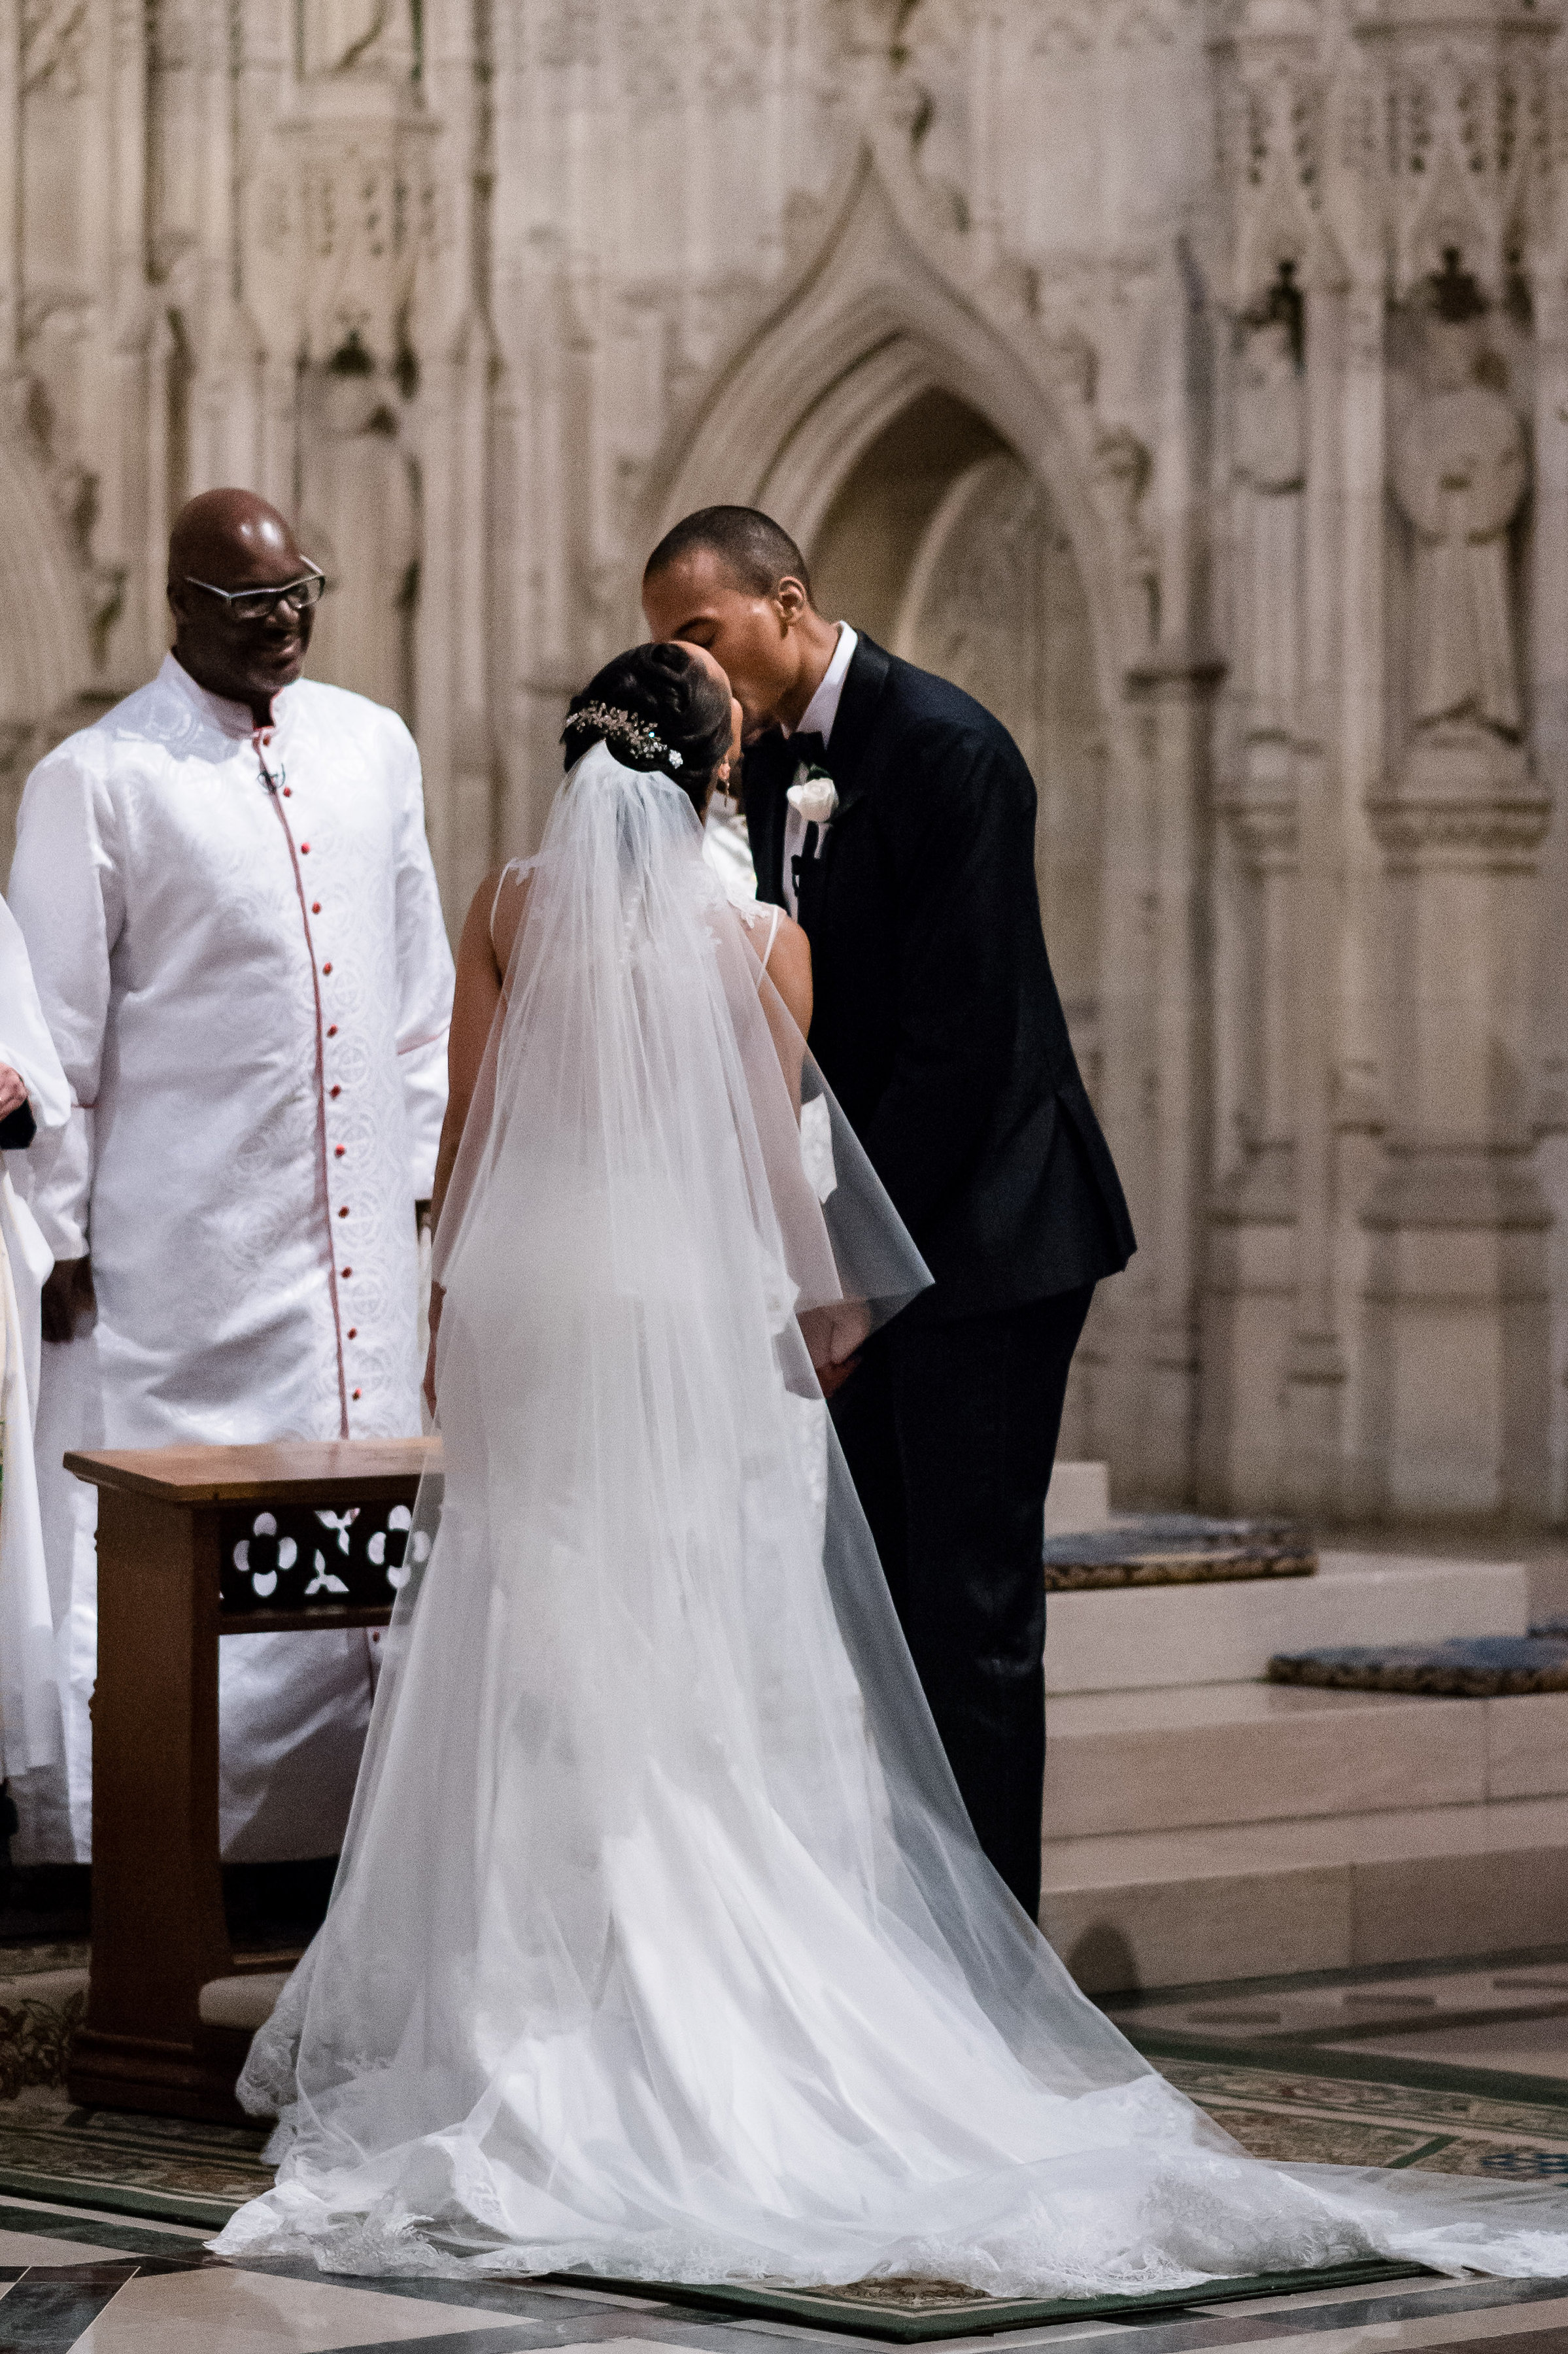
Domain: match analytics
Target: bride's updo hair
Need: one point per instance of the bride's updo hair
(656, 708)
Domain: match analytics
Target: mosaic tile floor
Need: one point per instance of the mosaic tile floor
(102, 2216)
(164, 2169)
(75, 2283)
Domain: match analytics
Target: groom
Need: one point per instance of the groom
(939, 1026)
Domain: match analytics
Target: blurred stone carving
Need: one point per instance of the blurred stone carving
(1460, 474)
(362, 526)
(347, 36)
(44, 658)
(53, 46)
(1271, 426)
(1271, 458)
(995, 603)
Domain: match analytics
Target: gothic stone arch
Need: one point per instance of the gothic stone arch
(874, 321)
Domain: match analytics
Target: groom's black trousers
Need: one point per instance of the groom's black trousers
(950, 1432)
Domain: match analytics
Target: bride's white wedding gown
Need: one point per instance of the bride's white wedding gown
(662, 1946)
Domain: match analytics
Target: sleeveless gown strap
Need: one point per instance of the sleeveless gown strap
(514, 867)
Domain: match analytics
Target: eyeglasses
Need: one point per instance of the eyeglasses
(260, 604)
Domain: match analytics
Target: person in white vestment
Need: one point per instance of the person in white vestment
(232, 915)
(34, 1097)
(661, 1946)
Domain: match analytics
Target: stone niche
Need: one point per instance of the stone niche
(947, 548)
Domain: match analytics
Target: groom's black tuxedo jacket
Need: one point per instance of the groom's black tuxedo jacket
(937, 1020)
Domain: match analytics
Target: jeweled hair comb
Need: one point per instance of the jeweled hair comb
(619, 727)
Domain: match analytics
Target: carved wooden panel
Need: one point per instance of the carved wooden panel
(286, 1558)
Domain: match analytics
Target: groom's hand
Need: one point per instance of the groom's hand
(833, 1336)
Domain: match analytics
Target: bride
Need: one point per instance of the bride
(661, 1946)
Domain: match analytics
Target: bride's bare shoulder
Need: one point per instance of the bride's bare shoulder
(495, 912)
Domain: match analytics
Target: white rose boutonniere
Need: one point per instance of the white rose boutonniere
(815, 795)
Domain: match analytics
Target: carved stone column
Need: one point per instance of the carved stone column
(1548, 671)
(1340, 706)
(1250, 1281)
(1173, 699)
(1274, 1366)
(1457, 1291)
(1251, 1258)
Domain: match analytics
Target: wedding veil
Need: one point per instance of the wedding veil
(661, 1945)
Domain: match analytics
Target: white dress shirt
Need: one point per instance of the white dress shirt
(817, 719)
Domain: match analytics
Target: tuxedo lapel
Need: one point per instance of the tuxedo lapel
(849, 764)
(771, 765)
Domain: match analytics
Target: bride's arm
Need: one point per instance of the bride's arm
(478, 990)
(788, 1012)
(474, 1001)
(484, 952)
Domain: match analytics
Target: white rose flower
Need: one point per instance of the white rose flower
(815, 796)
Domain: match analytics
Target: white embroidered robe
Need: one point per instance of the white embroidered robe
(249, 988)
(30, 1734)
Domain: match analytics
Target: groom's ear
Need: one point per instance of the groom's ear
(792, 599)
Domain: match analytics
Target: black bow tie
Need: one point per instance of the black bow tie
(810, 749)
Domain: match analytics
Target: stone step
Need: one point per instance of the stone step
(1195, 1755)
(1079, 1498)
(1127, 1637)
(1514, 2017)
(1258, 1900)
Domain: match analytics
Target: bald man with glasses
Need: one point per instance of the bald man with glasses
(228, 901)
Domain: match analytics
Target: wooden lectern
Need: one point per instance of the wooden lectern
(194, 1543)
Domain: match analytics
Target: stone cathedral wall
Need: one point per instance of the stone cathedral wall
(1188, 378)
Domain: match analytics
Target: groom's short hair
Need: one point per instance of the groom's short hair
(757, 552)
